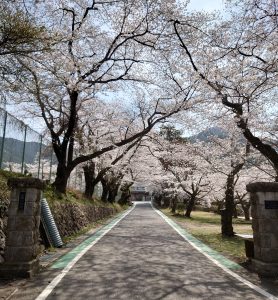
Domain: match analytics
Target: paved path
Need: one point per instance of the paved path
(142, 257)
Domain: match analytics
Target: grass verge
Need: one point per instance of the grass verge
(206, 227)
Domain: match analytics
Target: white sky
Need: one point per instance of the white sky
(208, 5)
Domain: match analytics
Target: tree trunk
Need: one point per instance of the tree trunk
(227, 213)
(174, 205)
(124, 197)
(157, 200)
(125, 189)
(105, 190)
(89, 174)
(166, 201)
(61, 180)
(112, 193)
(64, 150)
(235, 211)
(246, 211)
(190, 206)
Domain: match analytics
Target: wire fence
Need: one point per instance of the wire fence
(25, 151)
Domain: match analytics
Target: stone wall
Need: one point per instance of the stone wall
(4, 204)
(72, 217)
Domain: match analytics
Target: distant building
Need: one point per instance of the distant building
(139, 193)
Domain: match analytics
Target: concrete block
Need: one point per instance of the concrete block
(274, 240)
(14, 238)
(265, 240)
(10, 270)
(261, 197)
(268, 214)
(270, 196)
(22, 254)
(269, 255)
(254, 212)
(255, 225)
(13, 208)
(11, 223)
(267, 225)
(257, 251)
(265, 269)
(28, 239)
(32, 195)
(254, 199)
(30, 208)
(24, 223)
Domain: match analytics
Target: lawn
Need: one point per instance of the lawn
(206, 227)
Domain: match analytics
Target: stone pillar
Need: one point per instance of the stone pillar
(264, 211)
(22, 248)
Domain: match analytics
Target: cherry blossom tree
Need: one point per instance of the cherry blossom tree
(97, 131)
(236, 58)
(188, 171)
(102, 44)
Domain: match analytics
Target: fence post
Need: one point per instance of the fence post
(3, 139)
(23, 152)
(40, 154)
(50, 169)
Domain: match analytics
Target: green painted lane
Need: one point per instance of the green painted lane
(67, 258)
(201, 246)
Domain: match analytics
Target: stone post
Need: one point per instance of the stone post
(22, 248)
(264, 211)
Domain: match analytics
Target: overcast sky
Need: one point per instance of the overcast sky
(208, 5)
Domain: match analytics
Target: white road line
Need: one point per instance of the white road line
(238, 277)
(13, 293)
(46, 292)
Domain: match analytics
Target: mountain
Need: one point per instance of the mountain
(204, 136)
(13, 151)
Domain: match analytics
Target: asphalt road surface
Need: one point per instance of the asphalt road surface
(142, 257)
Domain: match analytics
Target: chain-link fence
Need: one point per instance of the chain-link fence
(23, 150)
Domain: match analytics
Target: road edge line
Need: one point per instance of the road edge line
(50, 287)
(233, 274)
